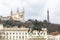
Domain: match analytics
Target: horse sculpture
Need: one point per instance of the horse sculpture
(35, 25)
(32, 27)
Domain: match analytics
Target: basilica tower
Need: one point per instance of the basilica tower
(11, 14)
(18, 16)
(22, 15)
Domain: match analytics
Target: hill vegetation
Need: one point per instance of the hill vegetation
(51, 27)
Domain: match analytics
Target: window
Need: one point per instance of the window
(19, 33)
(25, 33)
(19, 37)
(10, 37)
(44, 33)
(16, 36)
(13, 37)
(25, 37)
(7, 33)
(22, 33)
(13, 33)
(16, 33)
(22, 37)
(10, 33)
(7, 37)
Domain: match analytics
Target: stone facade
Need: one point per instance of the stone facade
(20, 34)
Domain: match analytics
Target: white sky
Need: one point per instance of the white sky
(34, 9)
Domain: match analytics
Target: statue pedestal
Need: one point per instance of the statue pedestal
(37, 37)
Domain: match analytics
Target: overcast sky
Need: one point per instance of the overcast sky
(34, 9)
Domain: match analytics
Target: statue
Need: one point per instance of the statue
(32, 27)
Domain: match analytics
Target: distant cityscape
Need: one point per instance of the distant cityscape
(17, 19)
(14, 27)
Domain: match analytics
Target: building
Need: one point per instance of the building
(19, 16)
(4, 18)
(20, 33)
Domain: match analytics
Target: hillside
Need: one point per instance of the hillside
(51, 27)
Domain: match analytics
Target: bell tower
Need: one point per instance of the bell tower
(17, 10)
(22, 15)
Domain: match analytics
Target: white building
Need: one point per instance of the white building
(5, 18)
(19, 16)
(19, 33)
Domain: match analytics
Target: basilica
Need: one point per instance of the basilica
(18, 16)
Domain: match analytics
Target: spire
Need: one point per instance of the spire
(17, 10)
(23, 9)
(11, 12)
(47, 15)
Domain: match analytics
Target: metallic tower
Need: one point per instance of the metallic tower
(47, 15)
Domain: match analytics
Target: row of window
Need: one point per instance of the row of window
(21, 33)
(15, 37)
(15, 33)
